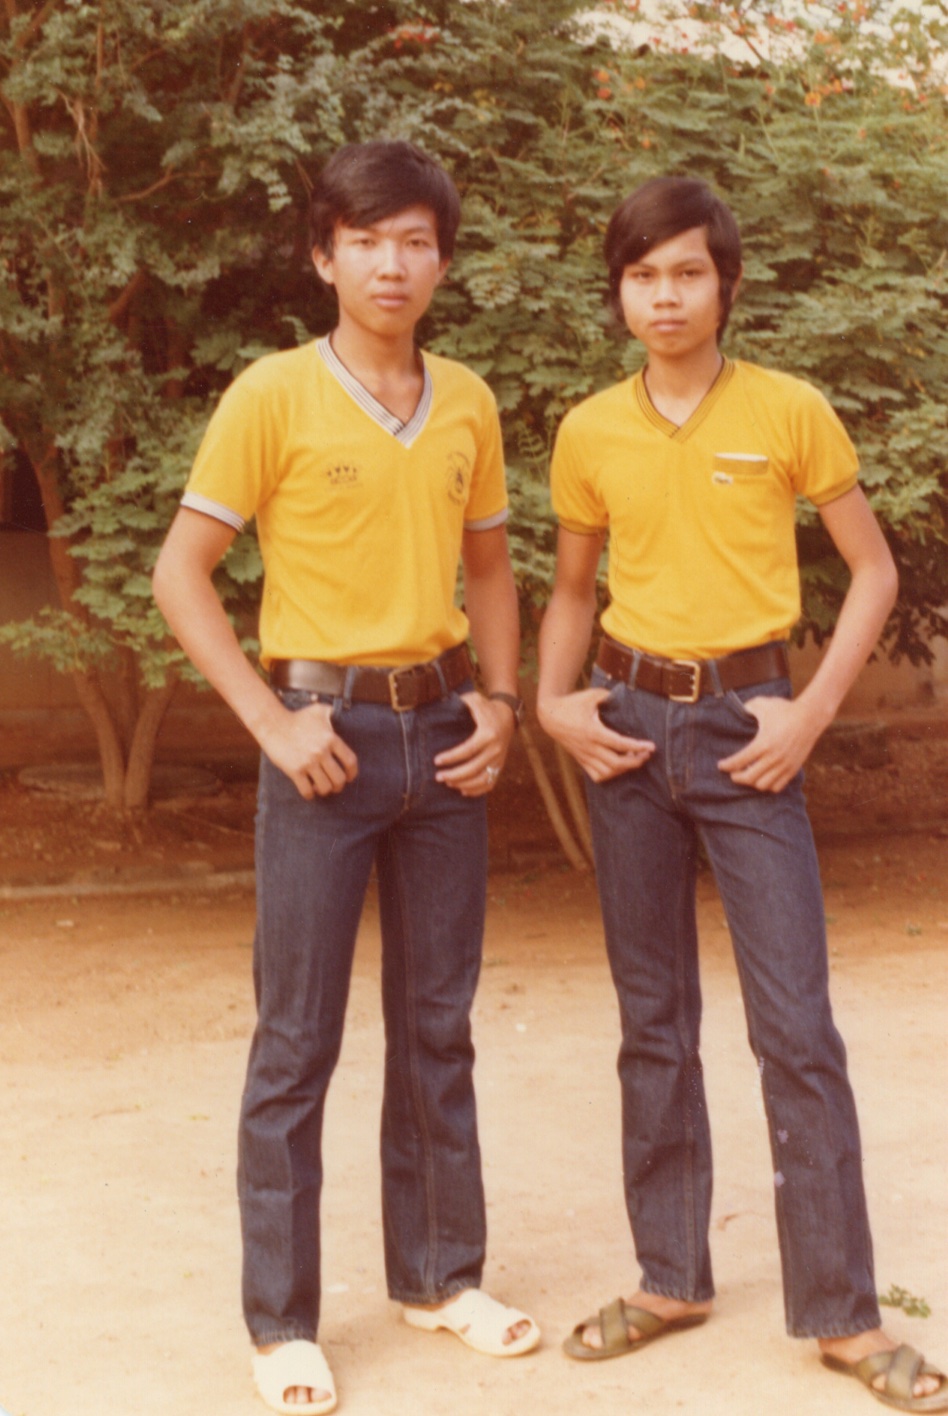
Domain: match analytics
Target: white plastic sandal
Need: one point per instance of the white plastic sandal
(479, 1321)
(294, 1364)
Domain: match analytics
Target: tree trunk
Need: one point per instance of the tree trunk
(125, 736)
(127, 700)
(111, 752)
(141, 754)
(553, 809)
(575, 799)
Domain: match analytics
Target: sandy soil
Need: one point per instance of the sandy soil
(123, 1038)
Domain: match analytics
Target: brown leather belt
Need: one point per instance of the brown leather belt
(401, 688)
(687, 680)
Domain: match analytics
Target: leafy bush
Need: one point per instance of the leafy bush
(154, 170)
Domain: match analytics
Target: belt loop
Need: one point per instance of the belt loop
(634, 671)
(710, 666)
(348, 686)
(439, 670)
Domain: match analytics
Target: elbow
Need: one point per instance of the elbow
(158, 583)
(878, 576)
(890, 582)
(162, 581)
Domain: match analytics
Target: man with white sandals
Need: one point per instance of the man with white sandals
(371, 469)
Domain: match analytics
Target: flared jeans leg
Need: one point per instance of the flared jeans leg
(646, 828)
(432, 869)
(314, 860)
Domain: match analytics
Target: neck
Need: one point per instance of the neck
(676, 388)
(683, 379)
(374, 356)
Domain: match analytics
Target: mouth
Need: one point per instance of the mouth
(390, 300)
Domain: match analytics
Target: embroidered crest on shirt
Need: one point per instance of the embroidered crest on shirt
(344, 474)
(459, 477)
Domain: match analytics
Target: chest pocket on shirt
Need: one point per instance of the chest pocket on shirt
(738, 467)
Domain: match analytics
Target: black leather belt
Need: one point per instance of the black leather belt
(399, 688)
(687, 680)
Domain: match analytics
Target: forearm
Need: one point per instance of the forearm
(490, 601)
(185, 594)
(570, 716)
(862, 618)
(564, 642)
(303, 744)
(493, 615)
(490, 596)
(788, 731)
(871, 595)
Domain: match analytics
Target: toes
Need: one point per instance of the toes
(518, 1330)
(923, 1387)
(592, 1337)
(300, 1396)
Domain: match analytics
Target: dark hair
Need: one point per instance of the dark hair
(661, 209)
(364, 183)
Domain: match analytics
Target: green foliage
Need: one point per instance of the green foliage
(154, 169)
(829, 145)
(911, 1306)
(151, 243)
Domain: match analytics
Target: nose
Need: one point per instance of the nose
(391, 261)
(666, 290)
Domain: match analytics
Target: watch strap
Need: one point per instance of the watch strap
(514, 703)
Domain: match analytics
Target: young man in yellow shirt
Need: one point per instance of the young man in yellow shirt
(689, 734)
(371, 469)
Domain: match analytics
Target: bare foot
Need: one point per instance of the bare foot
(511, 1334)
(296, 1396)
(666, 1308)
(866, 1344)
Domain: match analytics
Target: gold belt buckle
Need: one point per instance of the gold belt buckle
(693, 667)
(394, 680)
(396, 677)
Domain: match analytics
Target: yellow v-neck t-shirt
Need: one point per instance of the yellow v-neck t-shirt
(359, 516)
(702, 547)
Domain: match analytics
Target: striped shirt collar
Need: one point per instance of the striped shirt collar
(405, 433)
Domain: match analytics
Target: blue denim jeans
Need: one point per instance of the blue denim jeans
(314, 858)
(646, 828)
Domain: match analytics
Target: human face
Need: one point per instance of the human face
(671, 298)
(385, 274)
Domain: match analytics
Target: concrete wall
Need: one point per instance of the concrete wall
(882, 685)
(26, 585)
(40, 716)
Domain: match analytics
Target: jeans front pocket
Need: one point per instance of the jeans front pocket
(737, 699)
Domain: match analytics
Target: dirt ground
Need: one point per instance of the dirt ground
(125, 952)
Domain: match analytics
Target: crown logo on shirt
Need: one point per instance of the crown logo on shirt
(344, 474)
(459, 477)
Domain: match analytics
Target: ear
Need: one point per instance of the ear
(323, 264)
(737, 287)
(443, 269)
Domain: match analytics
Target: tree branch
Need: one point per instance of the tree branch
(156, 186)
(236, 83)
(35, 24)
(24, 136)
(18, 112)
(120, 304)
